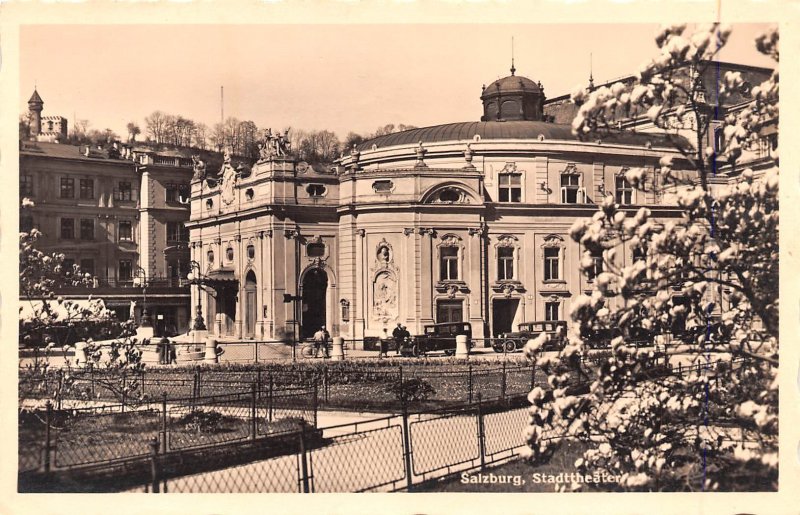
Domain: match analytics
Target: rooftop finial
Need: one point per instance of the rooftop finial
(591, 78)
(512, 56)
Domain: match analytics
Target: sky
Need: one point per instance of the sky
(337, 77)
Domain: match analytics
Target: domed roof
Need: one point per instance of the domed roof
(512, 84)
(511, 129)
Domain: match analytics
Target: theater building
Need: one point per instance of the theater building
(457, 222)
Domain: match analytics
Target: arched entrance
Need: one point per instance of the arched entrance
(315, 286)
(250, 308)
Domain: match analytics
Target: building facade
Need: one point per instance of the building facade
(118, 214)
(457, 222)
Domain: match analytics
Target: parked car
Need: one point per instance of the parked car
(436, 337)
(510, 342)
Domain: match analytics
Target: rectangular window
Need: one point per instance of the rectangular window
(125, 272)
(624, 191)
(172, 192)
(596, 268)
(125, 230)
(87, 189)
(448, 263)
(87, 229)
(87, 266)
(571, 188)
(505, 263)
(551, 310)
(67, 187)
(510, 187)
(552, 269)
(124, 191)
(25, 223)
(177, 233)
(26, 185)
(67, 228)
(68, 265)
(449, 311)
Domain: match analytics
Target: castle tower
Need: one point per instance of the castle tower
(35, 107)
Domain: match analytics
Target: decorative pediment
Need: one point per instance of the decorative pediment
(571, 169)
(510, 168)
(451, 288)
(508, 288)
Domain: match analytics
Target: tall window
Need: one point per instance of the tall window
(552, 268)
(87, 266)
(67, 228)
(87, 189)
(124, 191)
(510, 187)
(624, 191)
(448, 261)
(125, 230)
(172, 192)
(26, 185)
(505, 263)
(596, 268)
(551, 310)
(67, 187)
(87, 229)
(125, 272)
(571, 188)
(177, 233)
(68, 265)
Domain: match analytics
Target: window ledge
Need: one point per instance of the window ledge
(554, 281)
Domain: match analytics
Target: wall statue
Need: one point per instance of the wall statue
(384, 297)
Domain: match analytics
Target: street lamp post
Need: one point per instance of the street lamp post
(145, 314)
(199, 323)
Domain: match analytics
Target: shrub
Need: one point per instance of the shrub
(411, 390)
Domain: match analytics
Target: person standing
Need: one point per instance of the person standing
(398, 335)
(319, 340)
(326, 338)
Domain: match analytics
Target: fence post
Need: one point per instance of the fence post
(164, 422)
(316, 401)
(47, 442)
(533, 375)
(470, 384)
(503, 382)
(401, 376)
(124, 388)
(196, 393)
(258, 382)
(269, 399)
(141, 381)
(303, 461)
(253, 424)
(154, 469)
(91, 380)
(406, 443)
(61, 389)
(481, 434)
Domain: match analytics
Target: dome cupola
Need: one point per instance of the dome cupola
(513, 98)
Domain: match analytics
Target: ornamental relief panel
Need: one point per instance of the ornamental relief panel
(384, 297)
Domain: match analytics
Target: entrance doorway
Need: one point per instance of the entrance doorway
(250, 312)
(226, 306)
(503, 312)
(315, 287)
(449, 311)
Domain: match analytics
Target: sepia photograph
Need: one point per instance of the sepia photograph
(412, 258)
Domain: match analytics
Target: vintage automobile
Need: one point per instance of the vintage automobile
(436, 337)
(510, 342)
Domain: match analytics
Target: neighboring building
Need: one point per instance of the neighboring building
(463, 221)
(117, 213)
